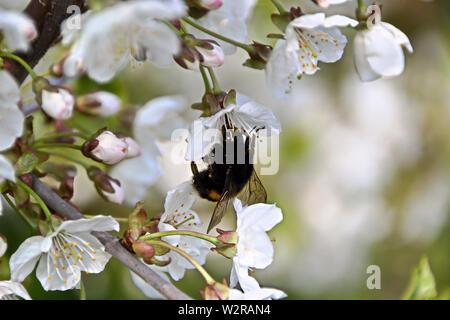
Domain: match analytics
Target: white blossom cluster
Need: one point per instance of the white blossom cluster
(146, 30)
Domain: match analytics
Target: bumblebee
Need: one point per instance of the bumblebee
(234, 176)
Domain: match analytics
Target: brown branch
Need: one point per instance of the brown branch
(48, 16)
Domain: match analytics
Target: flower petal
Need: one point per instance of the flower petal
(147, 289)
(8, 288)
(52, 276)
(17, 29)
(91, 255)
(97, 223)
(383, 53)
(308, 21)
(339, 21)
(252, 115)
(22, 262)
(281, 70)
(11, 118)
(260, 215)
(6, 169)
(362, 65)
(402, 38)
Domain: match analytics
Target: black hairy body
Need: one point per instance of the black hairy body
(230, 169)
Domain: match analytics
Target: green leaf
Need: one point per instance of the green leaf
(422, 285)
(26, 163)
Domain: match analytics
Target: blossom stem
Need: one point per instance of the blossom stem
(279, 7)
(24, 217)
(62, 135)
(205, 79)
(215, 82)
(361, 11)
(241, 45)
(82, 291)
(209, 280)
(65, 156)
(21, 61)
(31, 192)
(56, 145)
(199, 235)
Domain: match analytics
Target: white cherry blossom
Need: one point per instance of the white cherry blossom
(254, 247)
(63, 254)
(111, 37)
(246, 114)
(378, 51)
(177, 215)
(153, 122)
(309, 39)
(18, 29)
(229, 20)
(11, 290)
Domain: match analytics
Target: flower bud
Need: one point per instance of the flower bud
(144, 250)
(198, 51)
(229, 237)
(209, 4)
(211, 54)
(56, 102)
(216, 291)
(199, 8)
(106, 148)
(188, 58)
(100, 103)
(65, 190)
(107, 187)
(136, 220)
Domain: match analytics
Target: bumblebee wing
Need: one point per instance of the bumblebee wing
(254, 192)
(220, 210)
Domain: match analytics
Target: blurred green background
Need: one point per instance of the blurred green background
(364, 168)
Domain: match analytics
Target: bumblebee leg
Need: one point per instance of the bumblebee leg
(194, 168)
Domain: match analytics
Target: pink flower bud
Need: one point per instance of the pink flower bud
(211, 55)
(216, 291)
(110, 149)
(133, 148)
(100, 103)
(143, 250)
(210, 4)
(117, 196)
(58, 105)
